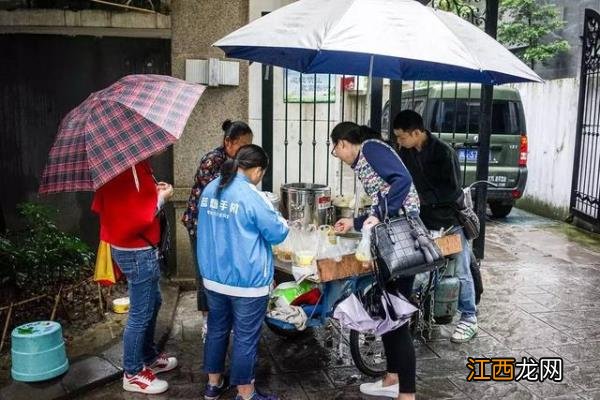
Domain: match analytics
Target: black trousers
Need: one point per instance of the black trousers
(398, 344)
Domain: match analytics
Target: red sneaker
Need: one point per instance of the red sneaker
(163, 363)
(144, 382)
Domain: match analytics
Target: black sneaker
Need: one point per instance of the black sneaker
(214, 392)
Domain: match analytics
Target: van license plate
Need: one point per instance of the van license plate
(470, 155)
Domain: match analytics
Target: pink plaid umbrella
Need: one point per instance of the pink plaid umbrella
(115, 128)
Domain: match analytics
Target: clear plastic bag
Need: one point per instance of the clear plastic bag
(305, 246)
(285, 250)
(328, 244)
(363, 251)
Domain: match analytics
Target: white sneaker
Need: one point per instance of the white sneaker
(144, 382)
(377, 389)
(163, 363)
(465, 331)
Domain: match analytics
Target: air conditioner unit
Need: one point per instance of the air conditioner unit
(213, 72)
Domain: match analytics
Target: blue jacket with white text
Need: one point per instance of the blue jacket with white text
(236, 229)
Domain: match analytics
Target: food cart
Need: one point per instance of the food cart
(315, 280)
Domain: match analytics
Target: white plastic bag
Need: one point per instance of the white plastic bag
(328, 244)
(285, 250)
(305, 246)
(363, 251)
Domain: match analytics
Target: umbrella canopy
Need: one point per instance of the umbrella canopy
(404, 39)
(115, 128)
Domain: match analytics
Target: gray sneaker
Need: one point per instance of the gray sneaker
(465, 331)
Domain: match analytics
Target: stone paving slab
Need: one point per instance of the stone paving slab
(89, 373)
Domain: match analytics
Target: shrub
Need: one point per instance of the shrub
(40, 257)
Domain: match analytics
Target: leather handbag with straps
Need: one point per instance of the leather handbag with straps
(402, 246)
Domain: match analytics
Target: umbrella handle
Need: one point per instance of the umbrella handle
(135, 178)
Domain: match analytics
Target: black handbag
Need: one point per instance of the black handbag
(163, 246)
(466, 215)
(402, 246)
(469, 221)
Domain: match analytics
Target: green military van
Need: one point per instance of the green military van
(451, 111)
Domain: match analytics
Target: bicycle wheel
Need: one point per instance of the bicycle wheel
(367, 353)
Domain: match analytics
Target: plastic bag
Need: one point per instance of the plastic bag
(284, 251)
(328, 244)
(305, 246)
(363, 251)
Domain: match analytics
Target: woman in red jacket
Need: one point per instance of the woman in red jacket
(127, 206)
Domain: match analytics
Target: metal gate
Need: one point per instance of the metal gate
(585, 192)
(300, 110)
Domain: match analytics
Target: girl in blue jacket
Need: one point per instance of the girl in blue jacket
(238, 225)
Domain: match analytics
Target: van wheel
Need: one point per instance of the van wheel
(500, 210)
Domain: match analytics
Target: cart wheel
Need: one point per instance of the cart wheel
(367, 353)
(287, 333)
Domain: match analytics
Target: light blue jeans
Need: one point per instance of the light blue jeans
(466, 298)
(141, 267)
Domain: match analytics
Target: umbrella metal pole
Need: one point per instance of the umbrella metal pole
(485, 128)
(356, 191)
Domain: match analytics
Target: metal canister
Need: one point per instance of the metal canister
(446, 298)
(308, 202)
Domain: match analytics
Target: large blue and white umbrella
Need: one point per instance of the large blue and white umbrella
(397, 39)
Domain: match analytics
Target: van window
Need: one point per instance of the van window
(505, 116)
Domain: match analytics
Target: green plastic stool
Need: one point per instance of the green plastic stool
(38, 352)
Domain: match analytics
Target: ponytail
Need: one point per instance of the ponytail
(367, 133)
(248, 156)
(228, 171)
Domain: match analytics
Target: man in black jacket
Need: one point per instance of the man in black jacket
(436, 174)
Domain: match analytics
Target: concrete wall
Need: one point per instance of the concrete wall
(551, 115)
(196, 25)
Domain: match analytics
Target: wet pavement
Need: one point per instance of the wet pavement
(541, 300)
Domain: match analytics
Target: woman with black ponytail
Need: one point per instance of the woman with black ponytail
(387, 181)
(237, 225)
(236, 134)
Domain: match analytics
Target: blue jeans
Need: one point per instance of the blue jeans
(466, 298)
(245, 315)
(141, 267)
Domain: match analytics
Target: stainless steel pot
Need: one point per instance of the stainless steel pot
(308, 202)
(348, 212)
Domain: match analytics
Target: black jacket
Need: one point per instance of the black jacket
(437, 176)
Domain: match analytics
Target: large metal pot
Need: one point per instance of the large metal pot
(348, 212)
(308, 202)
